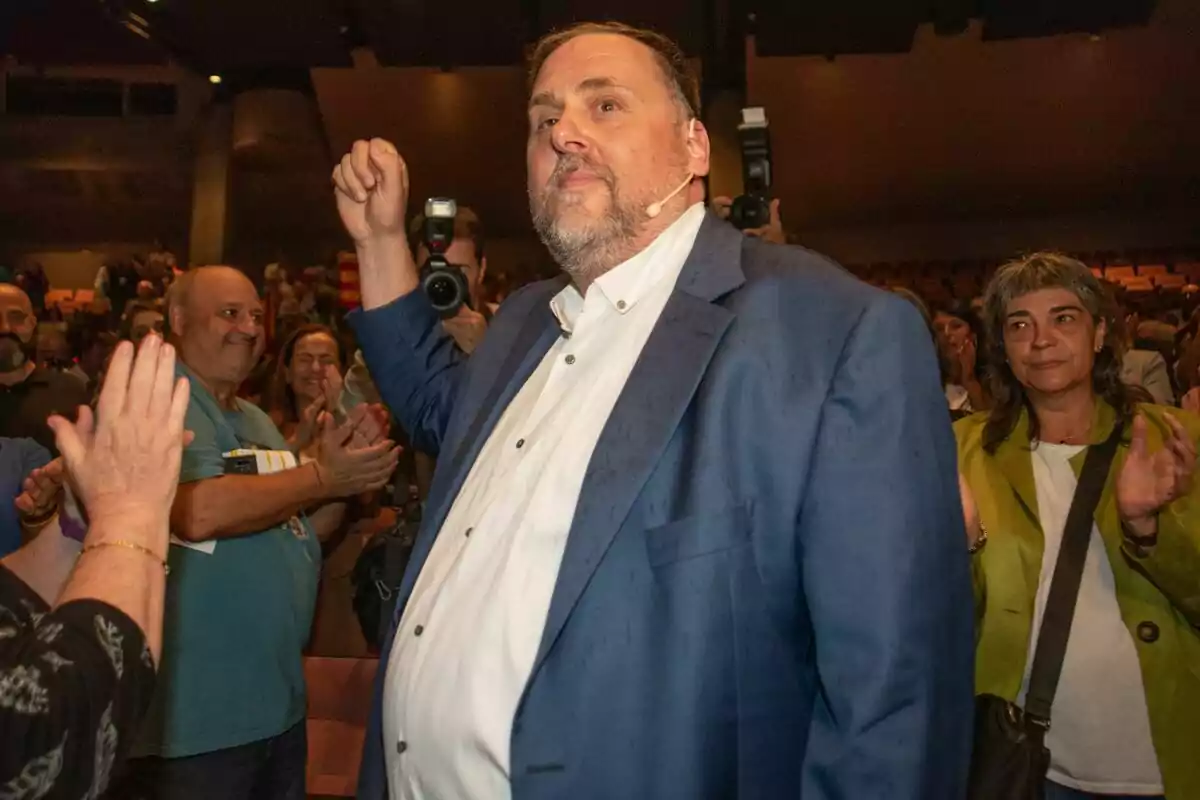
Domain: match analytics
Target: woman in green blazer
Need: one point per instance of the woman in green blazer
(1126, 717)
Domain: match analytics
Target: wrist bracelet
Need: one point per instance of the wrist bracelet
(980, 542)
(130, 546)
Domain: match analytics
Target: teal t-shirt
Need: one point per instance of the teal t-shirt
(236, 619)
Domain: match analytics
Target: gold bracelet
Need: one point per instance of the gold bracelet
(980, 542)
(131, 546)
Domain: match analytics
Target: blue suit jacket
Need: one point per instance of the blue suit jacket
(765, 590)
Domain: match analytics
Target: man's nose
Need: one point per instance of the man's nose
(568, 135)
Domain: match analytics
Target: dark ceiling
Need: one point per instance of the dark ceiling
(257, 41)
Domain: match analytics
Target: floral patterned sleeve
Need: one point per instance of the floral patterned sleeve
(74, 684)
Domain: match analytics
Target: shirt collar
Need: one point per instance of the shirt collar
(626, 284)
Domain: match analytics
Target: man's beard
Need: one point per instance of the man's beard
(587, 251)
(15, 353)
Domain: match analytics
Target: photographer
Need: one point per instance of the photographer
(469, 323)
(772, 232)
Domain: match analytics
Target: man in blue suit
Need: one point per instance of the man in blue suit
(695, 530)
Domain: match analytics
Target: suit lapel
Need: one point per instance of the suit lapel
(647, 413)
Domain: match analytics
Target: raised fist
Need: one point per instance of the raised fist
(371, 186)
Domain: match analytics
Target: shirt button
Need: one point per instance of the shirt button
(1148, 632)
(469, 532)
(401, 747)
(520, 443)
(621, 305)
(417, 631)
(570, 359)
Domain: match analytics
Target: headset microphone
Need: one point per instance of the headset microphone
(654, 209)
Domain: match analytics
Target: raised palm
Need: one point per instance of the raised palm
(1149, 481)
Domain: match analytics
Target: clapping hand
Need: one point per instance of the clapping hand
(1148, 482)
(124, 460)
(41, 491)
(348, 467)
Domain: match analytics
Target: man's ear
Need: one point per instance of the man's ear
(175, 321)
(699, 148)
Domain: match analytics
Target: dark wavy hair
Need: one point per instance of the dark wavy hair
(282, 398)
(1048, 270)
(961, 309)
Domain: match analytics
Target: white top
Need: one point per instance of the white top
(1099, 735)
(470, 632)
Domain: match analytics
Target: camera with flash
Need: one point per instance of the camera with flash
(444, 283)
(753, 209)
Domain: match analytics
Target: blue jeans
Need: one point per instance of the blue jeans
(271, 769)
(1055, 791)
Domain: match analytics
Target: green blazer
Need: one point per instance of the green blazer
(1158, 588)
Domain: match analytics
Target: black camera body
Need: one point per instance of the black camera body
(444, 283)
(753, 209)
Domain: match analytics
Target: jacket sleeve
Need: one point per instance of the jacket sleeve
(414, 363)
(1173, 562)
(886, 574)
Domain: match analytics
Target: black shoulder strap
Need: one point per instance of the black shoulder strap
(1068, 573)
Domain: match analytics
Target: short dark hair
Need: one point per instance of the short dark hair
(669, 55)
(467, 225)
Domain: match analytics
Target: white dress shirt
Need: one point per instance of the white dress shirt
(466, 643)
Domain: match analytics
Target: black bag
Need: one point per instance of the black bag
(377, 575)
(1010, 759)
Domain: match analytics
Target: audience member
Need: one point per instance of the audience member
(961, 340)
(308, 378)
(466, 251)
(1129, 693)
(30, 394)
(80, 628)
(36, 284)
(244, 571)
(141, 318)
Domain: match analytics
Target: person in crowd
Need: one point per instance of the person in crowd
(1123, 717)
(466, 251)
(18, 459)
(81, 626)
(771, 232)
(308, 375)
(142, 318)
(698, 461)
(36, 284)
(30, 394)
(943, 363)
(1188, 372)
(960, 337)
(122, 285)
(228, 721)
(1144, 368)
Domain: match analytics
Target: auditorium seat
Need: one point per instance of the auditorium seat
(1168, 280)
(57, 297)
(1151, 270)
(1119, 273)
(339, 704)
